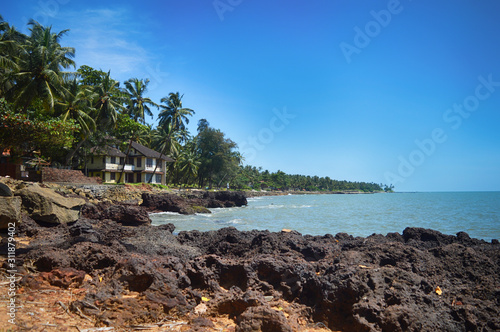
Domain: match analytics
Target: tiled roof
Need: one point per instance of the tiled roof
(106, 151)
(147, 152)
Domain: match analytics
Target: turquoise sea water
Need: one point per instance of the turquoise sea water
(476, 213)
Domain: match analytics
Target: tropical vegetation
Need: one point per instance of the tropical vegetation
(50, 108)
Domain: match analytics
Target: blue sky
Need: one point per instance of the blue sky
(403, 92)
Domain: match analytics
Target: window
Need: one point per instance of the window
(113, 160)
(104, 160)
(113, 176)
(139, 162)
(130, 177)
(130, 160)
(92, 160)
(122, 160)
(158, 178)
(149, 162)
(148, 177)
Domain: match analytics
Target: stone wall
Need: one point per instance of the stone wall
(67, 176)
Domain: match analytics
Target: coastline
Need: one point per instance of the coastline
(260, 193)
(111, 269)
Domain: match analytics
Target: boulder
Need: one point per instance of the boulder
(5, 190)
(128, 215)
(45, 205)
(262, 318)
(225, 198)
(166, 203)
(10, 211)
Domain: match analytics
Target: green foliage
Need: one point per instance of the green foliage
(219, 159)
(138, 104)
(90, 76)
(255, 178)
(24, 135)
(40, 61)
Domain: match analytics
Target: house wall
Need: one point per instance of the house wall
(135, 162)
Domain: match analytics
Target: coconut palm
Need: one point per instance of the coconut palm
(41, 62)
(138, 106)
(187, 165)
(109, 100)
(76, 103)
(174, 113)
(10, 45)
(167, 141)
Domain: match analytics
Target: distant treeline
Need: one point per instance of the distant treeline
(254, 178)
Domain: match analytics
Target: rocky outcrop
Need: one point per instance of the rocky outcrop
(44, 205)
(224, 199)
(420, 280)
(166, 203)
(128, 215)
(193, 202)
(5, 190)
(10, 211)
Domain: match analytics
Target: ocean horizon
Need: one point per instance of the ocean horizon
(475, 212)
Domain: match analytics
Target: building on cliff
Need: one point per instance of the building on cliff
(142, 164)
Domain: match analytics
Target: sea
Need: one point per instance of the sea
(476, 213)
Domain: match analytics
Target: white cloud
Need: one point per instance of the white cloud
(108, 39)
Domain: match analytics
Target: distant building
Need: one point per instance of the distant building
(107, 162)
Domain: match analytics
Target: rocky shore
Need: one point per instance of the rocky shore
(110, 268)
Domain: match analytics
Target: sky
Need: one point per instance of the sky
(394, 92)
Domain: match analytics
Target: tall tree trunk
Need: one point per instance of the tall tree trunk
(125, 161)
(69, 157)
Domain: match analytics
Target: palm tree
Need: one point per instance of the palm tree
(76, 104)
(108, 101)
(174, 113)
(188, 165)
(11, 42)
(167, 141)
(138, 104)
(173, 120)
(132, 131)
(41, 61)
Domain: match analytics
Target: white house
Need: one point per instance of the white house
(108, 162)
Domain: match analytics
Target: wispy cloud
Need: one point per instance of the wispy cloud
(109, 39)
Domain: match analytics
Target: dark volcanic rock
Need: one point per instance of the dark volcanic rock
(125, 214)
(262, 318)
(5, 190)
(421, 280)
(192, 203)
(166, 203)
(225, 199)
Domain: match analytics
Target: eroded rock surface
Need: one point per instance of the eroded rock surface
(45, 205)
(193, 202)
(420, 280)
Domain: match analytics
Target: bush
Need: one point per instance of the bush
(24, 135)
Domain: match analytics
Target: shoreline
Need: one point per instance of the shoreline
(123, 276)
(256, 193)
(110, 268)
